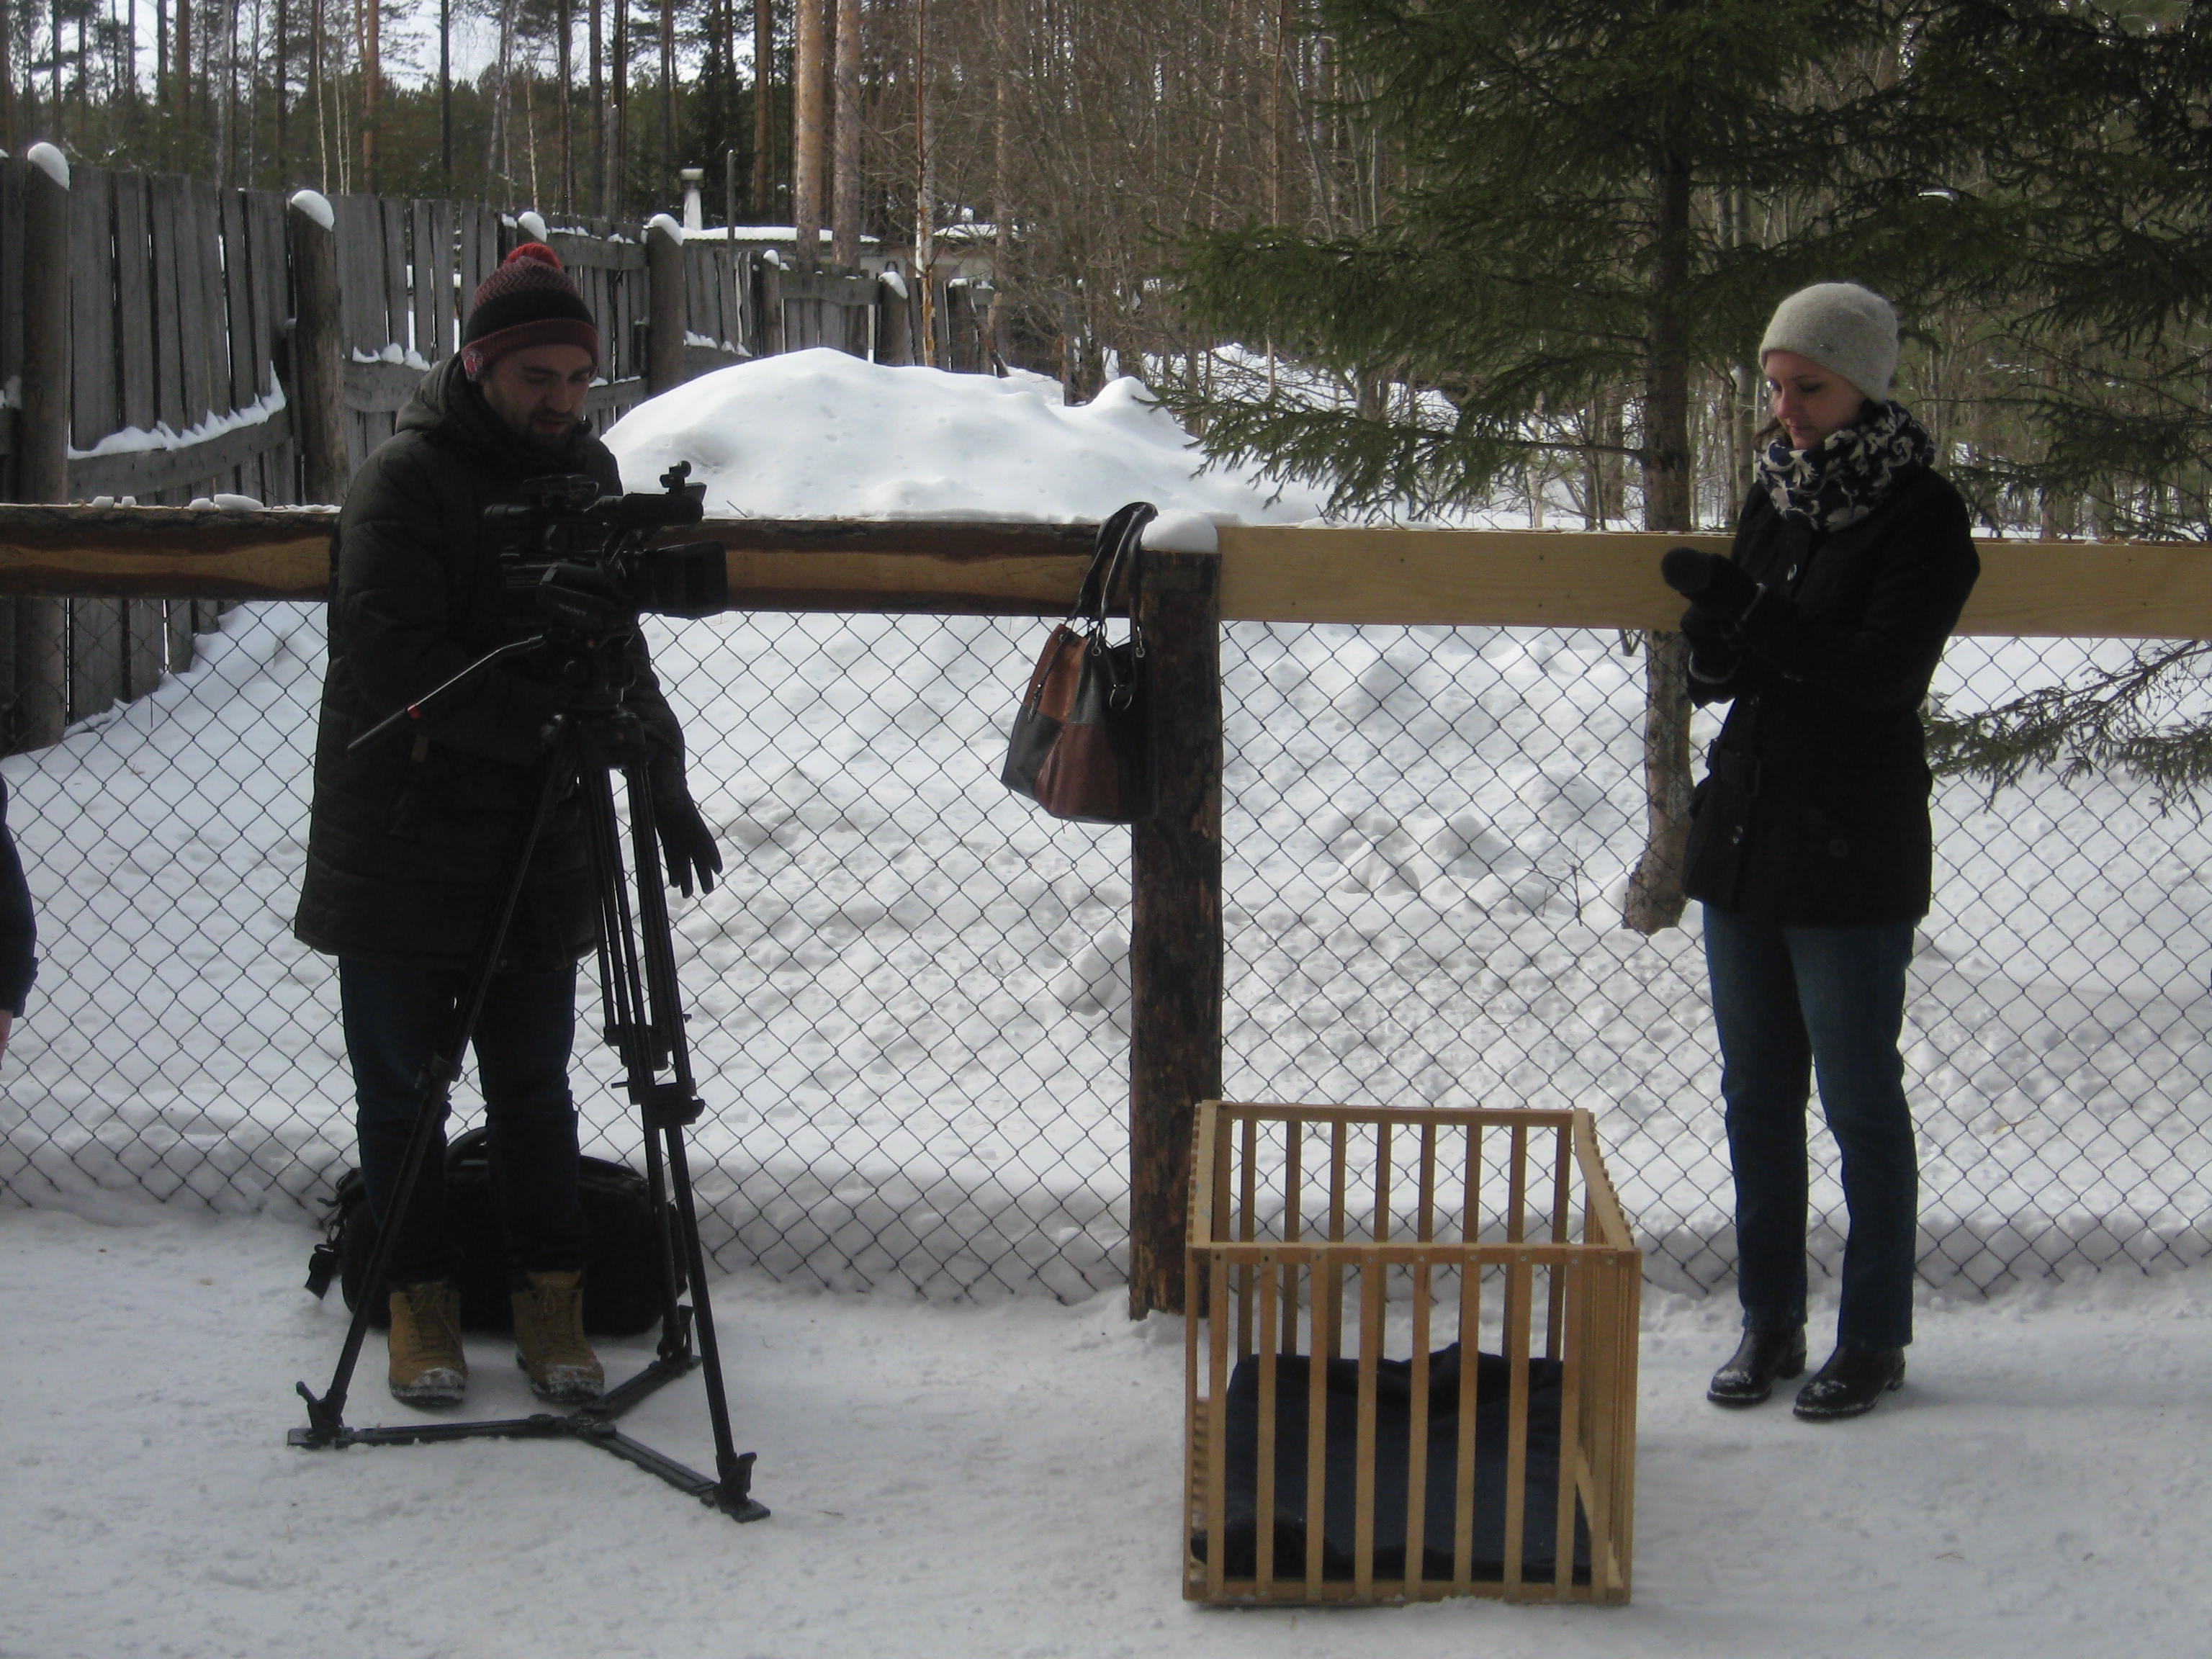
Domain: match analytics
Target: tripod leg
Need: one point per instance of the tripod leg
(668, 1108)
(733, 1469)
(326, 1414)
(631, 1033)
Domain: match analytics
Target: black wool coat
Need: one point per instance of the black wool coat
(410, 840)
(1815, 808)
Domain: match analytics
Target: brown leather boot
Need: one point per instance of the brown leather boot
(549, 1339)
(427, 1366)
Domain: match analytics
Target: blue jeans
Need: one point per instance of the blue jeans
(1790, 1003)
(395, 1019)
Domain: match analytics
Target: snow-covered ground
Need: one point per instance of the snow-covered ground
(999, 1481)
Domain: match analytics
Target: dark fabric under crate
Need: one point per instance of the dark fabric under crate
(1392, 1472)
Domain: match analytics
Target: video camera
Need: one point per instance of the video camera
(583, 562)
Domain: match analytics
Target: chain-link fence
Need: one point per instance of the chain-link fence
(910, 996)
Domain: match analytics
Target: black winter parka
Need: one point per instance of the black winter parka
(408, 841)
(1815, 809)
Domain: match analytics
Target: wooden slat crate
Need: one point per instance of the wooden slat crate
(1343, 1260)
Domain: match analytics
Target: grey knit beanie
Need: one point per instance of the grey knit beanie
(1841, 326)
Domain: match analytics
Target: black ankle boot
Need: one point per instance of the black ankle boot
(1850, 1382)
(1748, 1377)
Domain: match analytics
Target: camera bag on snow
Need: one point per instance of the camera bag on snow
(622, 1284)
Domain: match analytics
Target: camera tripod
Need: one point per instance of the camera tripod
(594, 738)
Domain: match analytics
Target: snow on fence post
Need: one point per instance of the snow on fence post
(894, 318)
(318, 390)
(664, 305)
(1176, 942)
(42, 436)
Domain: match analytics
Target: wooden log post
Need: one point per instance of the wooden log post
(664, 309)
(317, 388)
(894, 321)
(1175, 943)
(769, 310)
(42, 440)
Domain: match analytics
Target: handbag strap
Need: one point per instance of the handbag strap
(1120, 538)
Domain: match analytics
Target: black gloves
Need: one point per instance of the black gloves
(1710, 582)
(1721, 597)
(687, 846)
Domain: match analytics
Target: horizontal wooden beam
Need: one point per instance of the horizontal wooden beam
(1268, 573)
(948, 567)
(595, 253)
(149, 471)
(945, 568)
(166, 552)
(1275, 573)
(380, 387)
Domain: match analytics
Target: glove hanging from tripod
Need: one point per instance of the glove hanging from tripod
(687, 846)
(611, 734)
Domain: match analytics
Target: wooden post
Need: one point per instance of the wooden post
(770, 311)
(42, 436)
(663, 308)
(1175, 947)
(317, 394)
(894, 332)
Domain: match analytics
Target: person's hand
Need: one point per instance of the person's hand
(6, 1024)
(1713, 654)
(687, 846)
(1710, 582)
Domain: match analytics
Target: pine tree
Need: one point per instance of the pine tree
(2102, 172)
(1564, 181)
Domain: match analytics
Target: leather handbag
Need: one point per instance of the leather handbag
(1081, 748)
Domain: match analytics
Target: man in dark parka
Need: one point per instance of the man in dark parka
(411, 839)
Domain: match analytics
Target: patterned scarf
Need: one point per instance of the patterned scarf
(1844, 477)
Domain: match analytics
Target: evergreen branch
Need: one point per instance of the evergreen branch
(2149, 719)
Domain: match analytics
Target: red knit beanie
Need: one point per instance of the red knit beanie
(528, 301)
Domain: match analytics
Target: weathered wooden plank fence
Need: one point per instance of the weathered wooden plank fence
(2082, 590)
(163, 340)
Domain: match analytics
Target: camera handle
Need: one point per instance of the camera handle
(430, 699)
(645, 1026)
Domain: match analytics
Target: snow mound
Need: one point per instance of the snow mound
(821, 434)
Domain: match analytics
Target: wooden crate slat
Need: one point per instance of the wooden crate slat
(1594, 1287)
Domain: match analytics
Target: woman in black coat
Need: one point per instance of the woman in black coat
(1809, 842)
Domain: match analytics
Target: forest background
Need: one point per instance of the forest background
(1430, 256)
